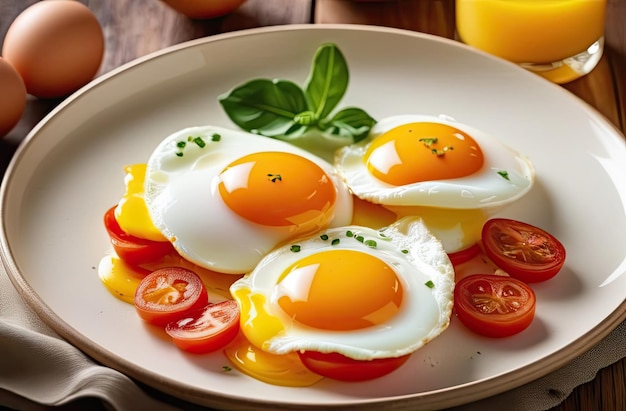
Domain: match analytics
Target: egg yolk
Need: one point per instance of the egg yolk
(279, 189)
(368, 214)
(340, 290)
(463, 225)
(285, 370)
(122, 279)
(131, 212)
(119, 278)
(423, 151)
(456, 229)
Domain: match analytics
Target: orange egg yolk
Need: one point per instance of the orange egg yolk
(340, 290)
(279, 189)
(423, 151)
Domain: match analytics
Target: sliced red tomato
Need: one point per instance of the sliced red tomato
(465, 255)
(133, 250)
(168, 294)
(494, 305)
(207, 329)
(524, 251)
(340, 367)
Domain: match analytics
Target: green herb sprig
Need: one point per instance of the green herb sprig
(283, 110)
(504, 174)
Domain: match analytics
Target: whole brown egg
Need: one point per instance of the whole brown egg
(56, 46)
(12, 97)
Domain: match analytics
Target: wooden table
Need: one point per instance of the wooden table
(134, 28)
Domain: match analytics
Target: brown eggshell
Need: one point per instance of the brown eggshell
(204, 9)
(56, 45)
(12, 97)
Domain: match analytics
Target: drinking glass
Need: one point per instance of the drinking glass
(561, 40)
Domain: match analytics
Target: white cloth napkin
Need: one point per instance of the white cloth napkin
(38, 369)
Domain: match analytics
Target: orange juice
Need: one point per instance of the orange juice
(531, 31)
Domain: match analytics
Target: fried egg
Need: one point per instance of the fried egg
(353, 290)
(225, 198)
(451, 174)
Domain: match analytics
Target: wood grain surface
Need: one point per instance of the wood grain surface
(134, 28)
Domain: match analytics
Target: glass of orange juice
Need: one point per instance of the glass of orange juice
(561, 40)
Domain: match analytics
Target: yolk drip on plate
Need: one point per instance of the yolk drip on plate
(458, 229)
(131, 212)
(122, 279)
(285, 370)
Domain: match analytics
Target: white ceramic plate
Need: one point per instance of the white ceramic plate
(69, 171)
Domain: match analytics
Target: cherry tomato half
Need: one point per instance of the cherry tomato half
(340, 367)
(133, 250)
(494, 305)
(524, 251)
(207, 329)
(465, 255)
(168, 294)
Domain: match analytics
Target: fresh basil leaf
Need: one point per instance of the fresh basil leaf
(328, 80)
(296, 130)
(266, 107)
(350, 122)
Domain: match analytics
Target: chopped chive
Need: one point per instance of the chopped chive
(274, 177)
(324, 237)
(199, 142)
(190, 139)
(428, 141)
(405, 251)
(371, 243)
(335, 241)
(181, 144)
(359, 238)
(216, 137)
(440, 153)
(429, 284)
(179, 153)
(504, 174)
(295, 248)
(226, 368)
(349, 233)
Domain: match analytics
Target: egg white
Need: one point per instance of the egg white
(183, 200)
(423, 314)
(484, 189)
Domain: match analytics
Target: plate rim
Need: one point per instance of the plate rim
(442, 398)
